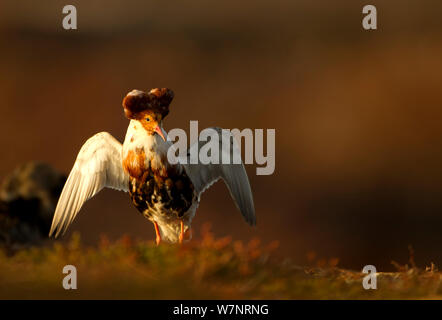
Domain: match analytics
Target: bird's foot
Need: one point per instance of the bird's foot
(184, 235)
(181, 238)
(157, 232)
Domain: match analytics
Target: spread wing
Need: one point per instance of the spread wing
(98, 165)
(233, 173)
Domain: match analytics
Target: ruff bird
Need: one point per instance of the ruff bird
(167, 194)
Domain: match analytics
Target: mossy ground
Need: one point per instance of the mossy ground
(208, 268)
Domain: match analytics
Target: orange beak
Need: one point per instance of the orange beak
(158, 130)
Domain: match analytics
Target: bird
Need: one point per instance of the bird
(167, 194)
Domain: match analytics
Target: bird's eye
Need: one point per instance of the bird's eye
(147, 119)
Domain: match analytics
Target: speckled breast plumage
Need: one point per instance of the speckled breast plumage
(169, 196)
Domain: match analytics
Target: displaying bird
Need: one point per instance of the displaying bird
(167, 194)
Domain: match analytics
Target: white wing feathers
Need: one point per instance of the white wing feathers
(98, 165)
(234, 175)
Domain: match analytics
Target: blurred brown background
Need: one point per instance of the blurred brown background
(357, 113)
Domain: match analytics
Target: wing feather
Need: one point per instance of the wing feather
(98, 165)
(234, 175)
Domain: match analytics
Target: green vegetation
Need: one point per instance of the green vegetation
(201, 269)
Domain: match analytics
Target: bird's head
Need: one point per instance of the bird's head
(148, 108)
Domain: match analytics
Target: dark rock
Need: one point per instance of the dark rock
(28, 197)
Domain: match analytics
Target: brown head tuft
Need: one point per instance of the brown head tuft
(137, 102)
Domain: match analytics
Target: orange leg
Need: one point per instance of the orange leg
(182, 232)
(157, 232)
